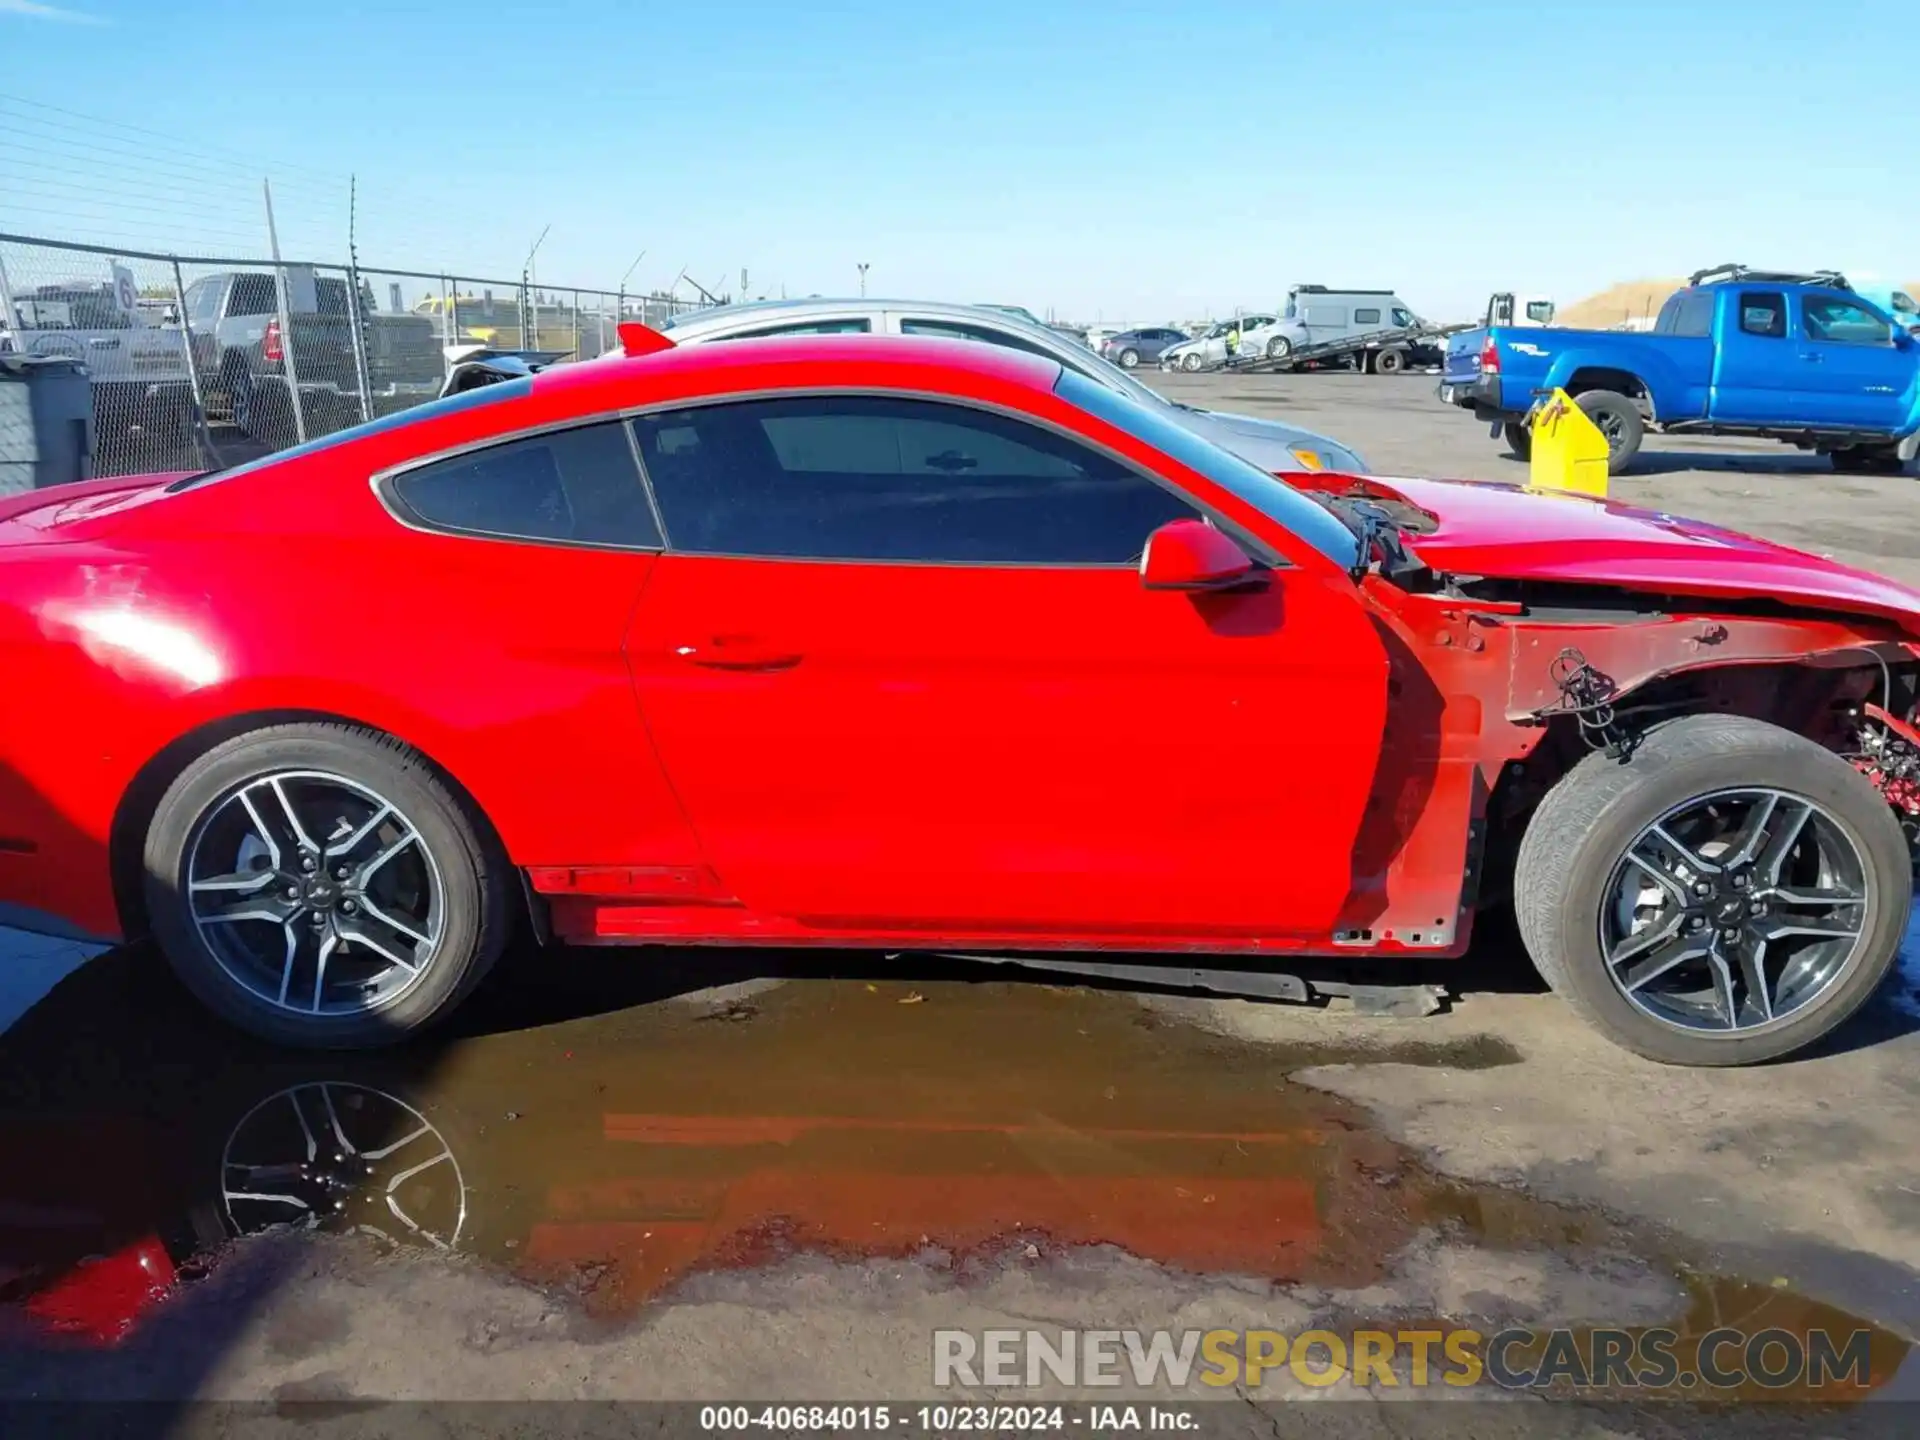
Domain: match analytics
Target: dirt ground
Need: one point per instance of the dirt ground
(707, 1176)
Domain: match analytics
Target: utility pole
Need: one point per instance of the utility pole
(529, 332)
(622, 302)
(286, 320)
(356, 304)
(863, 279)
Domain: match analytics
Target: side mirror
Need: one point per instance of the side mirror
(1192, 555)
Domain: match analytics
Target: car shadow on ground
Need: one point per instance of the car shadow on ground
(544, 986)
(534, 986)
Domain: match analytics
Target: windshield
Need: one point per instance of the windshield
(1273, 497)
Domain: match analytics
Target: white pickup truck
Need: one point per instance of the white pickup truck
(141, 385)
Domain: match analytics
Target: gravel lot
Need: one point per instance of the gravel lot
(1495, 1163)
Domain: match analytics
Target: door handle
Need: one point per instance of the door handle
(738, 652)
(1812, 357)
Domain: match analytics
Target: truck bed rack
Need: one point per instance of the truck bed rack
(1717, 273)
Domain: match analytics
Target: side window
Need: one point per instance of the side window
(573, 486)
(1538, 311)
(1842, 322)
(1404, 318)
(252, 295)
(851, 326)
(958, 330)
(1764, 312)
(203, 303)
(1688, 313)
(1366, 317)
(881, 478)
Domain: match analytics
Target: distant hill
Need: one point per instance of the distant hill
(1618, 304)
(1634, 300)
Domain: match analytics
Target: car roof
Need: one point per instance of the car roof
(724, 316)
(707, 365)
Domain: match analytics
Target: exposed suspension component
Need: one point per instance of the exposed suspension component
(1888, 754)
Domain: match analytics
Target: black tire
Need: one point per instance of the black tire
(1279, 348)
(1129, 358)
(473, 878)
(264, 411)
(1389, 362)
(1868, 460)
(1191, 361)
(1576, 838)
(1519, 437)
(1619, 420)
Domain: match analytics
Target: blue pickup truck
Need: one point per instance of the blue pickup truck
(1801, 358)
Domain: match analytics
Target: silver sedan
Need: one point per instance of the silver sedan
(1270, 444)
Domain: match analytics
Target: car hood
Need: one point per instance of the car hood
(1273, 445)
(1502, 531)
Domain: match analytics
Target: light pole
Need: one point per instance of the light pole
(863, 279)
(528, 307)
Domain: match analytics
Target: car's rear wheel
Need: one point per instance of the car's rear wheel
(1129, 358)
(1728, 894)
(1618, 419)
(1519, 438)
(1390, 362)
(321, 886)
(1190, 361)
(1279, 347)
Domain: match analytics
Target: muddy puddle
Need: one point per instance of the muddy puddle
(610, 1149)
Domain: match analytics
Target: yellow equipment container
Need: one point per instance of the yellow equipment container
(1569, 452)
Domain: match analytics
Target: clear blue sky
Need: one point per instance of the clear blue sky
(1106, 158)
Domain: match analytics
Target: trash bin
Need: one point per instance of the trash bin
(46, 422)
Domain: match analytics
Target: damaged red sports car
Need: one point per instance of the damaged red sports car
(923, 644)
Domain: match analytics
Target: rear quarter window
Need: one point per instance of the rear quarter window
(579, 487)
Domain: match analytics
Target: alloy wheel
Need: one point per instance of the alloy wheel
(1734, 911)
(314, 893)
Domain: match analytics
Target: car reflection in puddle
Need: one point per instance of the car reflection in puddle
(611, 1155)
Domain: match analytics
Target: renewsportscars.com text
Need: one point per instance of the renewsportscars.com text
(1515, 1358)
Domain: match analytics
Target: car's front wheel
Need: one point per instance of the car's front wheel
(1728, 894)
(1190, 361)
(321, 886)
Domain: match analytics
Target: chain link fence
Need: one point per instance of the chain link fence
(198, 361)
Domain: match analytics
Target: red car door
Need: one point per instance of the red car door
(901, 670)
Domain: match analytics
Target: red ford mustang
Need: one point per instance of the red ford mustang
(880, 642)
